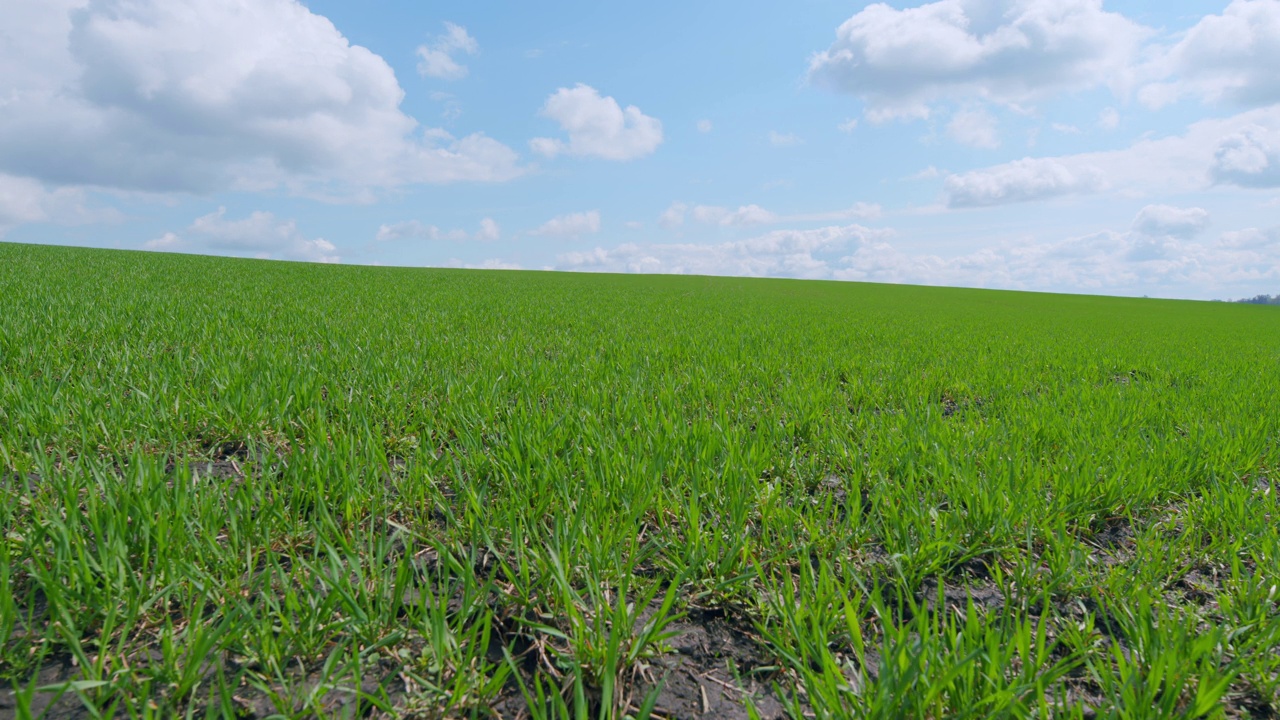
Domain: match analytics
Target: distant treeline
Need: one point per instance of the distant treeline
(1262, 300)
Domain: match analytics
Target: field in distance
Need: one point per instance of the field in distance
(244, 488)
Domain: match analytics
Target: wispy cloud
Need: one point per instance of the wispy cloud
(572, 225)
(437, 59)
(417, 230)
(747, 215)
(778, 139)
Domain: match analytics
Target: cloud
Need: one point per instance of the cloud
(451, 109)
(489, 230)
(259, 235)
(781, 253)
(1065, 129)
(1157, 231)
(744, 215)
(23, 201)
(704, 126)
(168, 242)
(974, 127)
(1238, 263)
(859, 210)
(1137, 261)
(1020, 181)
(1230, 58)
(1252, 239)
(490, 264)
(1169, 220)
(496, 264)
(1107, 261)
(848, 126)
(778, 139)
(673, 216)
(572, 225)
(201, 97)
(901, 62)
(929, 173)
(1108, 119)
(437, 60)
(1242, 150)
(597, 127)
(747, 215)
(416, 230)
(1249, 157)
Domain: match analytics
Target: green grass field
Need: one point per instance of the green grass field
(245, 488)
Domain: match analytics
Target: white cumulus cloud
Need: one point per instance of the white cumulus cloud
(1241, 150)
(1107, 261)
(781, 253)
(258, 235)
(489, 230)
(1249, 157)
(572, 225)
(1252, 239)
(193, 96)
(1238, 263)
(1020, 181)
(902, 62)
(24, 200)
(1169, 220)
(436, 60)
(597, 126)
(1230, 57)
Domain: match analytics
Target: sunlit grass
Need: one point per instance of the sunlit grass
(240, 487)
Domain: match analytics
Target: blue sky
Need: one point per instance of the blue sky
(1119, 148)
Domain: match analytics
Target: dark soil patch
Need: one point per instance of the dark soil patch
(1197, 587)
(1250, 705)
(1131, 376)
(333, 702)
(1113, 541)
(835, 489)
(712, 669)
(1084, 694)
(952, 405)
(984, 593)
(48, 704)
(697, 678)
(19, 482)
(230, 469)
(1114, 533)
(234, 449)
